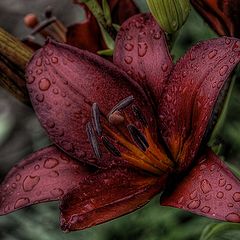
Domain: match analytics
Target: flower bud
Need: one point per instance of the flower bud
(170, 14)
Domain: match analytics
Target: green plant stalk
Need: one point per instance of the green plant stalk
(14, 56)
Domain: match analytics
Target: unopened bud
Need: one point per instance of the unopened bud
(170, 14)
(31, 20)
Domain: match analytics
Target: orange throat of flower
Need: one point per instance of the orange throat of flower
(137, 148)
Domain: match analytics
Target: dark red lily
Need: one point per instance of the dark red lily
(222, 15)
(117, 141)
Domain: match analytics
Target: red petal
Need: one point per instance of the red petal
(121, 10)
(44, 176)
(222, 16)
(210, 189)
(64, 82)
(193, 90)
(106, 196)
(141, 51)
(86, 35)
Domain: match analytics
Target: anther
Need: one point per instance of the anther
(139, 115)
(138, 137)
(110, 147)
(122, 104)
(93, 140)
(96, 119)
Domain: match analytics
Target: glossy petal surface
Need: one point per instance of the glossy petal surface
(210, 189)
(105, 196)
(195, 85)
(44, 176)
(85, 35)
(223, 16)
(64, 82)
(141, 51)
(121, 10)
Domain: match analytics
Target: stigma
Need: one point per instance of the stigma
(127, 137)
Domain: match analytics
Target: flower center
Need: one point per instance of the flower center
(127, 139)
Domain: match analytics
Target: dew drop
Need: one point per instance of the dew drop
(157, 35)
(227, 41)
(30, 182)
(236, 196)
(36, 167)
(129, 37)
(40, 97)
(206, 186)
(55, 91)
(67, 146)
(53, 174)
(220, 195)
(39, 71)
(18, 177)
(233, 217)
(57, 192)
(228, 187)
(142, 75)
(50, 124)
(221, 182)
(39, 62)
(129, 46)
(212, 54)
(49, 52)
(193, 194)
(194, 204)
(164, 67)
(54, 60)
(30, 79)
(50, 163)
(142, 49)
(21, 202)
(205, 209)
(44, 84)
(128, 59)
(14, 185)
(223, 70)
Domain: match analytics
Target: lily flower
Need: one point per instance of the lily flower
(223, 16)
(126, 131)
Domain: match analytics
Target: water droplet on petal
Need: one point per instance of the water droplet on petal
(221, 182)
(223, 70)
(44, 84)
(40, 97)
(212, 54)
(164, 67)
(54, 60)
(157, 35)
(194, 204)
(30, 182)
(50, 163)
(233, 217)
(205, 209)
(206, 186)
(30, 79)
(220, 195)
(21, 202)
(57, 192)
(236, 196)
(129, 46)
(18, 177)
(228, 187)
(39, 62)
(142, 49)
(128, 59)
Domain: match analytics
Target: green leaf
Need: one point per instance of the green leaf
(221, 231)
(107, 12)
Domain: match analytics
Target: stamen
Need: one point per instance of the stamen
(139, 115)
(110, 147)
(93, 140)
(96, 118)
(48, 12)
(116, 118)
(122, 104)
(138, 137)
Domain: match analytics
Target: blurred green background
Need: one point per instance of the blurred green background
(20, 134)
